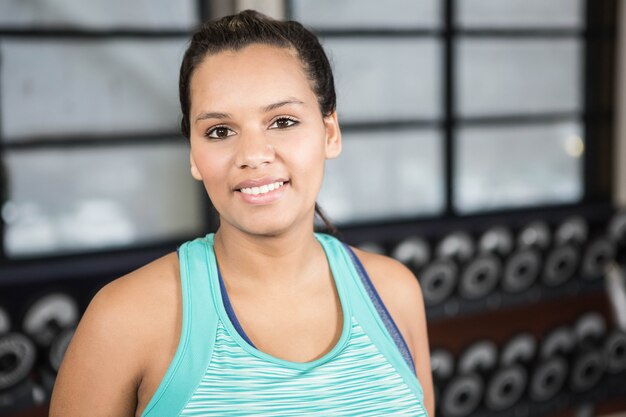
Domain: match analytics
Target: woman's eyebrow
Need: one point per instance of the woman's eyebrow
(278, 104)
(212, 115)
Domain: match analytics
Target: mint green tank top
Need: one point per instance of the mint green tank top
(216, 372)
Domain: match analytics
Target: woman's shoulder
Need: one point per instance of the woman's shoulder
(159, 278)
(144, 302)
(141, 294)
(139, 310)
(114, 344)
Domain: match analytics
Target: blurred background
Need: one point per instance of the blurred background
(484, 147)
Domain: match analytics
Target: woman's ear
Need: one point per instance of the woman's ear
(194, 169)
(333, 136)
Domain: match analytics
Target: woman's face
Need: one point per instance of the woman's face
(258, 138)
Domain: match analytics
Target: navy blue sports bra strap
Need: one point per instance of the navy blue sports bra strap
(231, 311)
(383, 313)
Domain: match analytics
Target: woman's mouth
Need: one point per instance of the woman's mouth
(264, 194)
(264, 189)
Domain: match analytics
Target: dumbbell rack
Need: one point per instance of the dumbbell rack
(457, 322)
(456, 334)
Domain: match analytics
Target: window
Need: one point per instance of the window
(89, 143)
(462, 107)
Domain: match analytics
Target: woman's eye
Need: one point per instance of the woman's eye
(283, 122)
(219, 132)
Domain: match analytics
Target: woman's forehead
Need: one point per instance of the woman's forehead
(257, 75)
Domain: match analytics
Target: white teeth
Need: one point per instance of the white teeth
(262, 189)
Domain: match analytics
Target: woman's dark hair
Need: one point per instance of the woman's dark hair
(232, 33)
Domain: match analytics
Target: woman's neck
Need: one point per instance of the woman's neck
(288, 259)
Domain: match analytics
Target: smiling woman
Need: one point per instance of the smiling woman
(264, 317)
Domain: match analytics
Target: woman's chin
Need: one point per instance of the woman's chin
(269, 223)
(268, 228)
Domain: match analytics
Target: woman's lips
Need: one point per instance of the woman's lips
(263, 194)
(259, 182)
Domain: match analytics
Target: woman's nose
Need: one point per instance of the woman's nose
(254, 150)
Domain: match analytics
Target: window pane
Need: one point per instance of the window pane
(75, 199)
(386, 174)
(500, 167)
(371, 14)
(520, 13)
(87, 87)
(383, 79)
(509, 76)
(162, 14)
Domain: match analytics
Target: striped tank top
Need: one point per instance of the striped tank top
(217, 371)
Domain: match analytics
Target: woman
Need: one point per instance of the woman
(264, 317)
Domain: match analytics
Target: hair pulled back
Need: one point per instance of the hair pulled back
(232, 33)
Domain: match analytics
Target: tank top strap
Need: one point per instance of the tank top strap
(199, 325)
(365, 312)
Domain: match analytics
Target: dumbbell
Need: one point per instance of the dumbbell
(464, 392)
(437, 278)
(574, 230)
(442, 367)
(549, 374)
(458, 246)
(48, 315)
(482, 274)
(50, 321)
(17, 360)
(497, 240)
(535, 235)
(453, 251)
(438, 281)
(588, 363)
(561, 261)
(599, 253)
(414, 252)
(615, 352)
(440, 277)
(547, 378)
(507, 384)
(523, 266)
